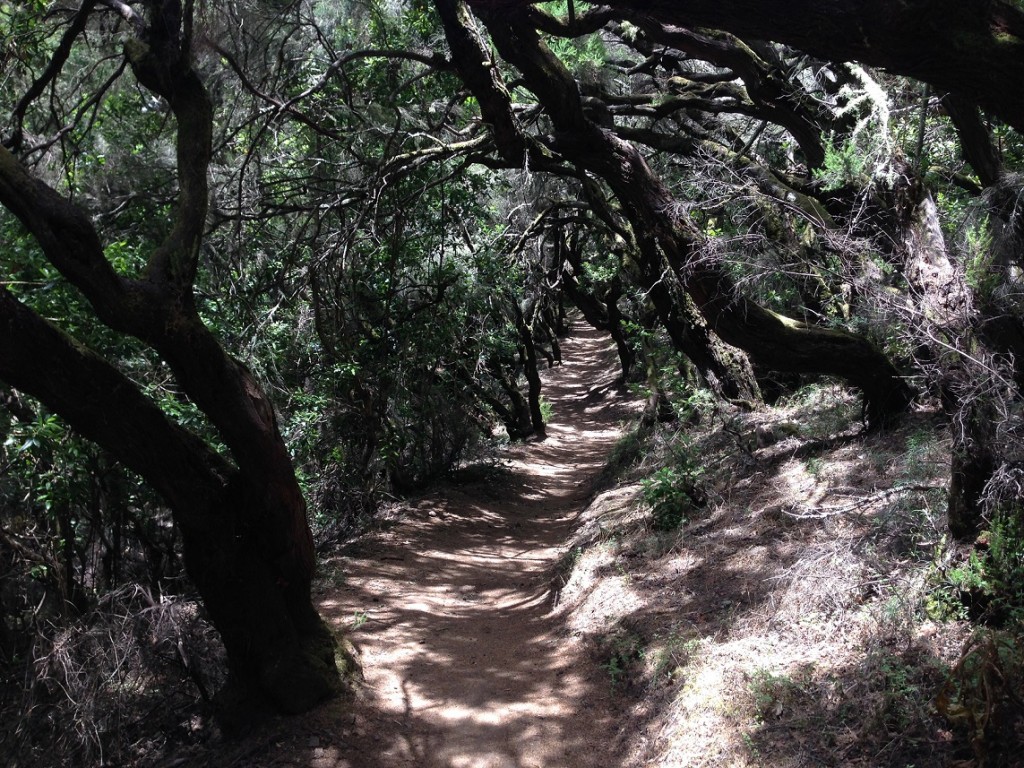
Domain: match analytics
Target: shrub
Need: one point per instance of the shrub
(980, 697)
(1005, 563)
(988, 584)
(673, 493)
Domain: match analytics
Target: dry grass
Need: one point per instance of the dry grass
(785, 626)
(122, 685)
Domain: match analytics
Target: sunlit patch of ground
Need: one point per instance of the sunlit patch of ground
(784, 626)
(518, 620)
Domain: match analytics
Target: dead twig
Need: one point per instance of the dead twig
(820, 513)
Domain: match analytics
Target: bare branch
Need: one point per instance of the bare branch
(53, 69)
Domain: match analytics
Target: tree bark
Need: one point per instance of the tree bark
(517, 420)
(975, 139)
(973, 462)
(726, 372)
(237, 551)
(528, 357)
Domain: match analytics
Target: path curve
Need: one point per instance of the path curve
(467, 662)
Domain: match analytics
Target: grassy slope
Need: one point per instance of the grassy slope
(787, 623)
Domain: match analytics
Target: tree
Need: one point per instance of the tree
(775, 341)
(355, 156)
(689, 72)
(973, 48)
(247, 543)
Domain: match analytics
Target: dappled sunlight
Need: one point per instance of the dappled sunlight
(466, 663)
(779, 625)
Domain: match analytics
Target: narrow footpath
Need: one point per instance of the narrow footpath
(467, 664)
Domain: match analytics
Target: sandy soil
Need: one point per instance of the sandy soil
(466, 663)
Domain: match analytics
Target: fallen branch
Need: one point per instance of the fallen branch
(820, 513)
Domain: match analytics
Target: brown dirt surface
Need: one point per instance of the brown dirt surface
(524, 615)
(467, 662)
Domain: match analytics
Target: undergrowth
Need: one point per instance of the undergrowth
(96, 691)
(981, 697)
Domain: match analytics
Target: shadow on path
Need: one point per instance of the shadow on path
(466, 666)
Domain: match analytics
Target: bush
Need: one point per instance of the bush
(1005, 562)
(673, 493)
(988, 584)
(980, 697)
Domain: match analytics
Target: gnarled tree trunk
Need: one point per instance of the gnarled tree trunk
(528, 358)
(247, 543)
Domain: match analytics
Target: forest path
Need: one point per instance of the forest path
(467, 664)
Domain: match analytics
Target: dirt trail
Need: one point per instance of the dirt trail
(467, 665)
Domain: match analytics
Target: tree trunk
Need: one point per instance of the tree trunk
(973, 463)
(528, 356)
(247, 544)
(247, 541)
(617, 329)
(725, 371)
(280, 652)
(975, 138)
(518, 422)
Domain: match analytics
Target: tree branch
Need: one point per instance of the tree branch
(53, 69)
(971, 47)
(162, 63)
(775, 341)
(104, 405)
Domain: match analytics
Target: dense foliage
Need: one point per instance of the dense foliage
(395, 225)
